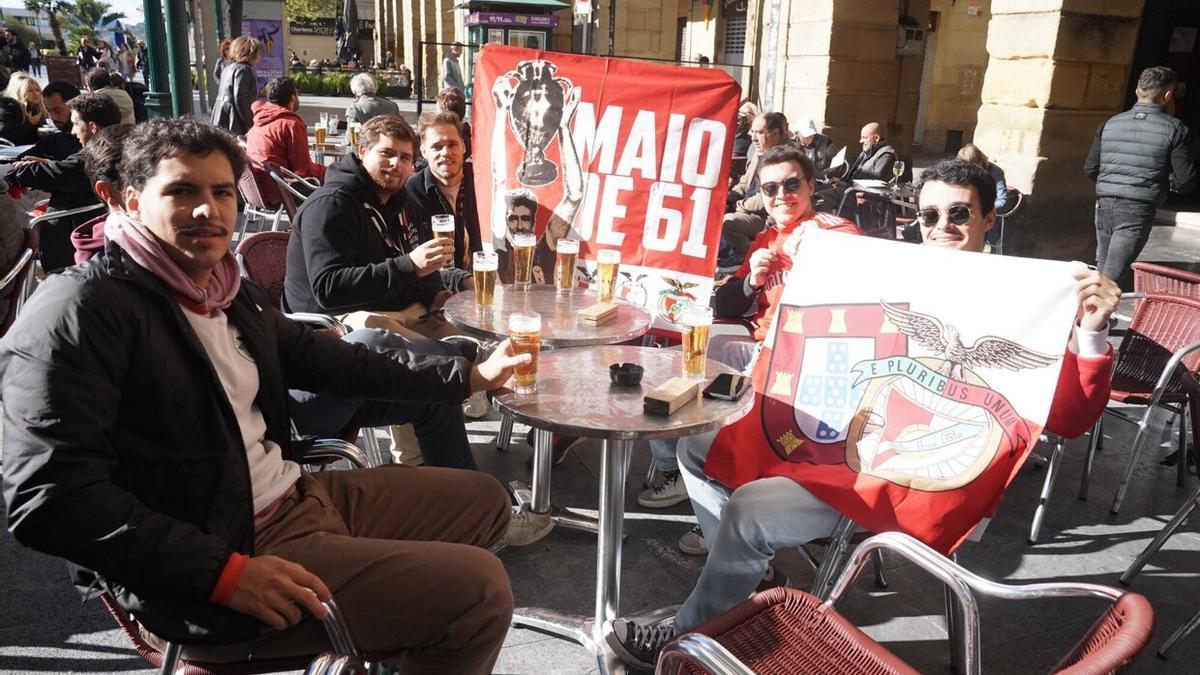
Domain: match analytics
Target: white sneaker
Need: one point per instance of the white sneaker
(527, 527)
(476, 406)
(692, 542)
(669, 491)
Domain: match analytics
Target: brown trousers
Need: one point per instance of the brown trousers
(404, 552)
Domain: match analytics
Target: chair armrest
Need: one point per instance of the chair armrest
(330, 449)
(1168, 372)
(705, 651)
(319, 321)
(16, 271)
(962, 582)
(55, 215)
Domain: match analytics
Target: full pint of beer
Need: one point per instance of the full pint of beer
(564, 265)
(443, 228)
(522, 259)
(525, 334)
(608, 263)
(483, 270)
(696, 323)
(320, 135)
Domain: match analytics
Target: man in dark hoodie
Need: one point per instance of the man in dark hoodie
(280, 135)
(355, 254)
(66, 181)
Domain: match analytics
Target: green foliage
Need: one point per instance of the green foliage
(25, 33)
(325, 84)
(312, 9)
(93, 13)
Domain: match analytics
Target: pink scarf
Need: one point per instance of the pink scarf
(141, 245)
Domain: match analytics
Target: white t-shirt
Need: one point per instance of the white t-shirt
(270, 474)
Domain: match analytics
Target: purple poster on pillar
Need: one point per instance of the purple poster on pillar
(270, 36)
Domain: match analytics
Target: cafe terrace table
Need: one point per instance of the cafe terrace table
(561, 328)
(334, 146)
(10, 153)
(574, 397)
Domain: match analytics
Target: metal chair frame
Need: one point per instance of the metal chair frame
(1001, 218)
(18, 279)
(961, 584)
(35, 224)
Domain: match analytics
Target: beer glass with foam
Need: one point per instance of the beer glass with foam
(443, 228)
(525, 334)
(483, 270)
(522, 259)
(695, 324)
(566, 251)
(608, 263)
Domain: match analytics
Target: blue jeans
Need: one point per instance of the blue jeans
(735, 351)
(743, 529)
(440, 428)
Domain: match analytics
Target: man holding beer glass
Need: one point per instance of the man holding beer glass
(445, 187)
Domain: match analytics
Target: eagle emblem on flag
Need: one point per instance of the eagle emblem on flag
(891, 393)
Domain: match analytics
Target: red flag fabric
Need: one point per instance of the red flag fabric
(618, 154)
(904, 402)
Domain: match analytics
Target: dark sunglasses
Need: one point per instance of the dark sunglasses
(958, 214)
(790, 186)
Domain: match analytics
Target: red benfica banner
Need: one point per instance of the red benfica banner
(617, 154)
(903, 401)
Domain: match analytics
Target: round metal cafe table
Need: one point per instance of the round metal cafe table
(575, 397)
(560, 321)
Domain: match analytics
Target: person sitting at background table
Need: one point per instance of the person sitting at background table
(971, 153)
(28, 93)
(61, 143)
(814, 144)
(876, 159)
(279, 135)
(748, 524)
(367, 102)
(65, 180)
(746, 217)
(99, 81)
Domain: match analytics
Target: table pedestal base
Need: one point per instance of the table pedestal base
(562, 517)
(583, 631)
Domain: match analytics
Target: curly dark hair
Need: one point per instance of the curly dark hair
(102, 156)
(97, 109)
(151, 142)
(963, 174)
(279, 90)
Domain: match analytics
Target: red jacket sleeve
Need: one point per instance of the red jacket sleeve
(1081, 395)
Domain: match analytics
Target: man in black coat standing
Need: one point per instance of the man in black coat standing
(1136, 158)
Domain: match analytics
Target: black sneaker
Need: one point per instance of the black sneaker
(639, 645)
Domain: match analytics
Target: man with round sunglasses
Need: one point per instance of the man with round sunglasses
(746, 526)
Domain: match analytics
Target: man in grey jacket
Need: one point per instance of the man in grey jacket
(877, 158)
(1136, 157)
(367, 102)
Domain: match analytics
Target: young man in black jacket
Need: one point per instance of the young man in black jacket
(445, 186)
(355, 254)
(147, 442)
(65, 180)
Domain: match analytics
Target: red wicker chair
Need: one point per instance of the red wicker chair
(263, 259)
(788, 632)
(1156, 365)
(1152, 278)
(260, 203)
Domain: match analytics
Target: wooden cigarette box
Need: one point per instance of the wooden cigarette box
(670, 396)
(598, 313)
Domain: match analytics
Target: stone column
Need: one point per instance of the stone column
(1056, 70)
(836, 61)
(643, 28)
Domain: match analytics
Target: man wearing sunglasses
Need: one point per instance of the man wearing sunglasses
(745, 527)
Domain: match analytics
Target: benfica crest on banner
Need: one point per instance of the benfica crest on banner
(618, 154)
(901, 384)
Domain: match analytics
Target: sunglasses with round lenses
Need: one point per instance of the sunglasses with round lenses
(958, 214)
(790, 186)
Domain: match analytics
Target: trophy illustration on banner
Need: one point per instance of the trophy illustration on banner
(535, 116)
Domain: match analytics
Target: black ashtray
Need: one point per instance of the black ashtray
(626, 374)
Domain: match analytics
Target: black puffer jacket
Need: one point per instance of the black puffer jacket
(122, 453)
(338, 260)
(1140, 154)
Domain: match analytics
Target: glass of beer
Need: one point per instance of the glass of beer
(443, 228)
(566, 252)
(525, 334)
(483, 270)
(320, 135)
(352, 134)
(522, 259)
(608, 263)
(695, 324)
